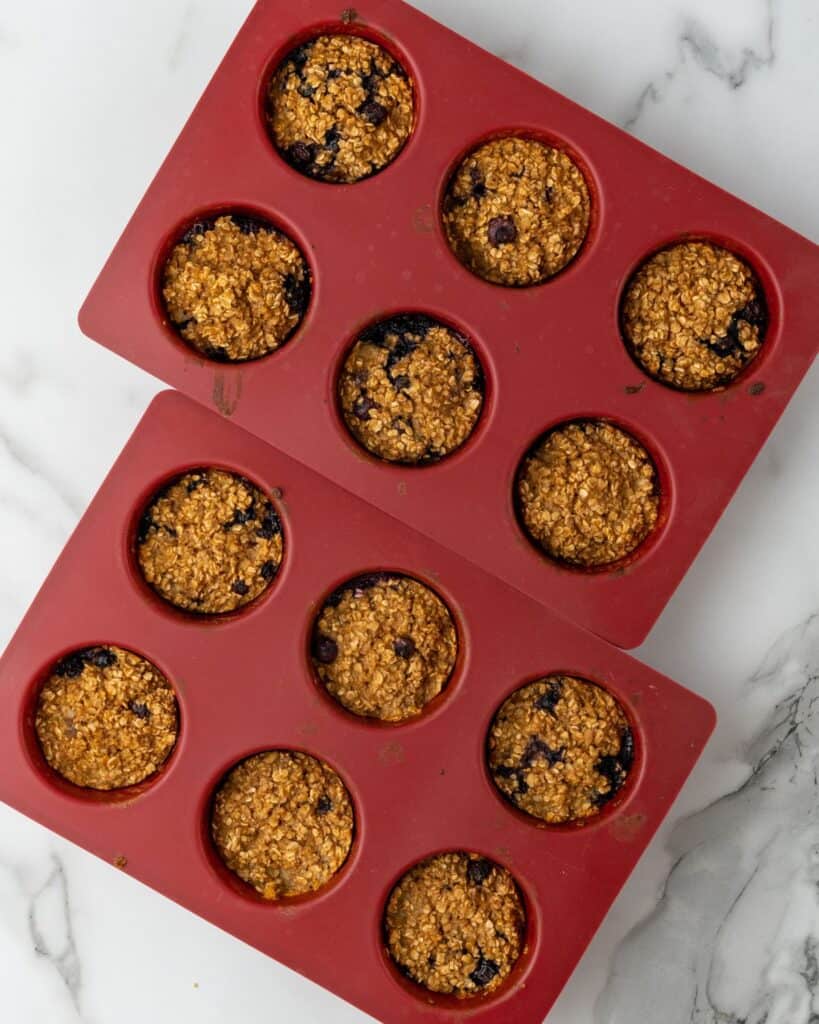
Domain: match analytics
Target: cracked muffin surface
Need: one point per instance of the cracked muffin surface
(384, 646)
(283, 822)
(517, 211)
(210, 542)
(694, 316)
(588, 494)
(235, 288)
(560, 749)
(411, 389)
(340, 108)
(106, 718)
(455, 924)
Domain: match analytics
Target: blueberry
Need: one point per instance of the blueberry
(324, 805)
(363, 407)
(71, 666)
(139, 709)
(477, 871)
(268, 570)
(270, 526)
(549, 700)
(301, 154)
(373, 112)
(404, 647)
(502, 230)
(325, 649)
(240, 587)
(536, 748)
(484, 972)
(101, 657)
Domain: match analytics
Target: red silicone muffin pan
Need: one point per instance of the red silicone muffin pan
(550, 353)
(244, 685)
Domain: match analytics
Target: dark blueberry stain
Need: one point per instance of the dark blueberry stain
(363, 407)
(297, 293)
(101, 657)
(431, 961)
(332, 137)
(615, 767)
(755, 314)
(218, 353)
(268, 570)
(373, 112)
(194, 484)
(477, 871)
(485, 972)
(241, 516)
(239, 587)
(248, 225)
(549, 700)
(549, 194)
(325, 649)
(72, 665)
(402, 382)
(536, 750)
(306, 90)
(139, 709)
(502, 230)
(404, 647)
(270, 525)
(324, 805)
(478, 184)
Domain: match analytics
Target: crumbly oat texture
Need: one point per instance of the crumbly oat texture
(411, 389)
(455, 924)
(235, 288)
(283, 822)
(694, 316)
(340, 108)
(560, 749)
(384, 646)
(588, 494)
(106, 718)
(517, 211)
(210, 542)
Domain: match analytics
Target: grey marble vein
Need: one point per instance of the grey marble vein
(735, 934)
(51, 928)
(696, 43)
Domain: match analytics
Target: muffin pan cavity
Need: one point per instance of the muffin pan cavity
(603, 281)
(282, 815)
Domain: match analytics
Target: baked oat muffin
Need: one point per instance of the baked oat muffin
(283, 822)
(694, 316)
(560, 749)
(456, 924)
(340, 108)
(210, 542)
(411, 389)
(384, 646)
(235, 288)
(106, 718)
(516, 211)
(588, 494)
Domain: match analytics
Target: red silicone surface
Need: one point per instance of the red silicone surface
(244, 685)
(550, 353)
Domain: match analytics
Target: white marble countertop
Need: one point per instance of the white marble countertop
(720, 922)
